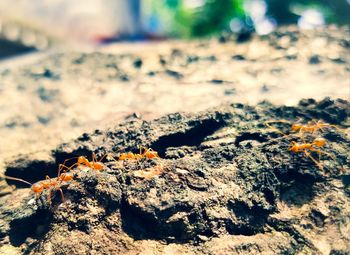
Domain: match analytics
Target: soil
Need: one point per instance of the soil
(225, 183)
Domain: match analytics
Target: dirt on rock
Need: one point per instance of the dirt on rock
(225, 183)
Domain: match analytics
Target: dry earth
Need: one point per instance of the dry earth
(60, 96)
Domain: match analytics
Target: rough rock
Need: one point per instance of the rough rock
(225, 183)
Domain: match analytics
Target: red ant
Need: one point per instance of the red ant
(308, 147)
(48, 183)
(130, 156)
(311, 126)
(148, 153)
(83, 161)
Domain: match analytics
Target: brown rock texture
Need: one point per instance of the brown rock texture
(225, 183)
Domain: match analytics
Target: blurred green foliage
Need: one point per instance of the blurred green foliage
(334, 11)
(208, 18)
(192, 18)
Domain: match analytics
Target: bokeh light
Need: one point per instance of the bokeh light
(311, 18)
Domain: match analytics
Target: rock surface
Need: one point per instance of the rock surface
(61, 95)
(225, 183)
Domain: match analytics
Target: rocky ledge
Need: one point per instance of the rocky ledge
(225, 183)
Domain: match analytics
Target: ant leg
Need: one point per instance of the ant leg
(48, 179)
(140, 152)
(37, 195)
(313, 159)
(327, 154)
(94, 158)
(62, 196)
(49, 196)
(321, 125)
(63, 167)
(276, 129)
(299, 120)
(69, 159)
(334, 158)
(106, 155)
(145, 150)
(97, 164)
(302, 137)
(292, 144)
(319, 155)
(313, 122)
(337, 128)
(110, 157)
(152, 153)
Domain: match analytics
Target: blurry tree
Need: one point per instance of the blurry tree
(334, 11)
(192, 18)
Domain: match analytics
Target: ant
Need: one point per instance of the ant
(148, 153)
(311, 127)
(130, 156)
(306, 147)
(309, 147)
(83, 161)
(48, 183)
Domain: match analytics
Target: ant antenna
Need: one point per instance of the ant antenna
(268, 124)
(63, 165)
(16, 179)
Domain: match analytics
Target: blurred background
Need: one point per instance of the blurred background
(192, 18)
(27, 26)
